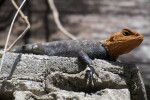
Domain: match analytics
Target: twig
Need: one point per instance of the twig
(2, 60)
(57, 21)
(25, 19)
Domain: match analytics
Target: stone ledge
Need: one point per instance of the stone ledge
(43, 77)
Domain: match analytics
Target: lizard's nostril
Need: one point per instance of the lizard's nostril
(140, 38)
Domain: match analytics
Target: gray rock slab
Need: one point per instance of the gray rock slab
(47, 78)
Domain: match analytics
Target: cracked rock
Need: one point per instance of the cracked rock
(40, 77)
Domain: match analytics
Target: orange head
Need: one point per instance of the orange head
(122, 42)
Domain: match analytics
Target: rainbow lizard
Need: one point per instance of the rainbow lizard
(86, 50)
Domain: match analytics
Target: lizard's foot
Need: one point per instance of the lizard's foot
(91, 75)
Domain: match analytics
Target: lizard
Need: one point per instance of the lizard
(87, 50)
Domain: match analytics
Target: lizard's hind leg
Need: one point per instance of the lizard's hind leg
(85, 59)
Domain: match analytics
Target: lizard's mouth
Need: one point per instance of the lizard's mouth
(130, 44)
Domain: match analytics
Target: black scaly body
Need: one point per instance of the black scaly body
(85, 50)
(66, 48)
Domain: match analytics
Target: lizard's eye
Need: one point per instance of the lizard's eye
(125, 33)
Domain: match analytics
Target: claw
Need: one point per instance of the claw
(91, 75)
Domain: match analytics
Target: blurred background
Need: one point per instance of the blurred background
(85, 19)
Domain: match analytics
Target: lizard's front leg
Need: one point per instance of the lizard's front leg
(85, 59)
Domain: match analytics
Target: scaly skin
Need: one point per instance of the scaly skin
(122, 42)
(86, 50)
(119, 43)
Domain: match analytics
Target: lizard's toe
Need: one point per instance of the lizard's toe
(91, 75)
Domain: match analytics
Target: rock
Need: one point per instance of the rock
(110, 94)
(23, 95)
(42, 77)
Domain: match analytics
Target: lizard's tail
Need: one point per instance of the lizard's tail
(34, 48)
(17, 49)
